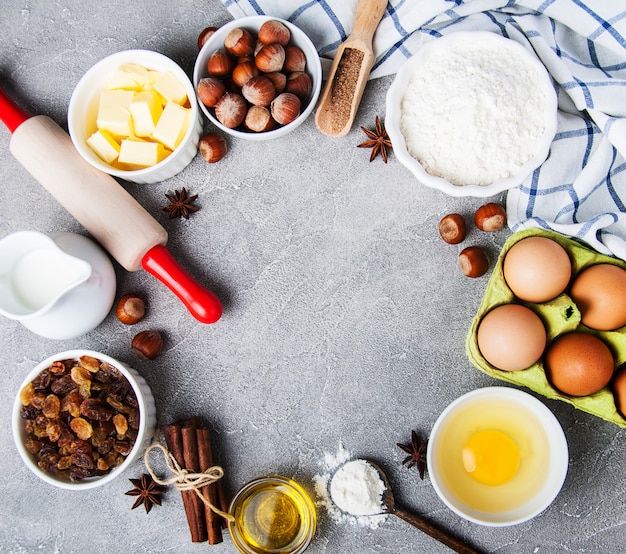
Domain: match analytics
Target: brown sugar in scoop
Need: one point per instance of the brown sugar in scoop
(349, 72)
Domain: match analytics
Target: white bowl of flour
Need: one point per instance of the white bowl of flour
(472, 114)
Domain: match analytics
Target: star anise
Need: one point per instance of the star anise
(416, 453)
(181, 204)
(147, 491)
(378, 141)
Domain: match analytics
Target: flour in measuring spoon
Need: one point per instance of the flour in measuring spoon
(473, 113)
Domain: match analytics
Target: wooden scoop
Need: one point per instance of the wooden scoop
(390, 507)
(349, 72)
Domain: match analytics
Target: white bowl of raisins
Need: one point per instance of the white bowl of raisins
(81, 418)
(258, 77)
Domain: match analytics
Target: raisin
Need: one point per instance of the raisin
(28, 412)
(63, 385)
(105, 446)
(71, 403)
(81, 427)
(32, 445)
(79, 473)
(53, 430)
(80, 375)
(48, 461)
(133, 419)
(37, 400)
(65, 462)
(83, 461)
(42, 381)
(58, 368)
(90, 363)
(51, 406)
(121, 425)
(26, 394)
(122, 447)
(116, 405)
(95, 409)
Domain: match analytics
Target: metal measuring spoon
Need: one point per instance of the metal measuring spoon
(424, 525)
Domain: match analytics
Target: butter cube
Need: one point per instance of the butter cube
(104, 145)
(129, 76)
(114, 112)
(172, 125)
(168, 86)
(138, 154)
(146, 110)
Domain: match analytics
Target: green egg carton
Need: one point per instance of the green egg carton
(559, 316)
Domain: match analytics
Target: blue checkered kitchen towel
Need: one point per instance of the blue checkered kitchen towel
(580, 190)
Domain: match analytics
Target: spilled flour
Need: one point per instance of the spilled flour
(352, 486)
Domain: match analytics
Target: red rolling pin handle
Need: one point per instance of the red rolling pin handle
(10, 113)
(202, 303)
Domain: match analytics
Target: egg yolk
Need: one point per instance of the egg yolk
(491, 457)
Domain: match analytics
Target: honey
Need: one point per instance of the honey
(272, 514)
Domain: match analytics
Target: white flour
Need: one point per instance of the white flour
(473, 113)
(353, 488)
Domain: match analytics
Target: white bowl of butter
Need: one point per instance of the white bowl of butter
(134, 115)
(497, 456)
(472, 114)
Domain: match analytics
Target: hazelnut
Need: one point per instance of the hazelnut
(130, 309)
(219, 64)
(285, 108)
(279, 80)
(230, 110)
(147, 344)
(205, 35)
(300, 84)
(239, 42)
(259, 91)
(210, 90)
(244, 71)
(452, 228)
(490, 217)
(295, 59)
(270, 57)
(474, 261)
(212, 147)
(258, 119)
(274, 31)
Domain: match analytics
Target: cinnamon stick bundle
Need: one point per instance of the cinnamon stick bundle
(190, 445)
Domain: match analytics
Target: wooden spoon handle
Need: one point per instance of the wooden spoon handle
(427, 527)
(368, 16)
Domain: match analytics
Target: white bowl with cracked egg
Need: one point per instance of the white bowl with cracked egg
(472, 114)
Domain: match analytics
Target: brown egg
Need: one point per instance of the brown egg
(600, 294)
(579, 364)
(511, 337)
(537, 269)
(619, 391)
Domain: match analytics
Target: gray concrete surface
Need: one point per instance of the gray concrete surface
(345, 317)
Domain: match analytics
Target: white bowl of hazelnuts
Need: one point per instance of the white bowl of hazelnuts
(257, 77)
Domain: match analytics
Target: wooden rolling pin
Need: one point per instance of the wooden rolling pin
(349, 72)
(99, 203)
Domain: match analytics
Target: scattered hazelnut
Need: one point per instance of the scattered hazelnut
(274, 31)
(210, 90)
(295, 59)
(474, 261)
(205, 35)
(230, 110)
(258, 119)
(490, 217)
(212, 147)
(259, 91)
(300, 84)
(219, 64)
(270, 57)
(279, 80)
(147, 344)
(239, 42)
(285, 108)
(452, 228)
(244, 71)
(130, 309)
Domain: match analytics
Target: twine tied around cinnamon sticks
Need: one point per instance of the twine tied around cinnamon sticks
(183, 479)
(189, 457)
